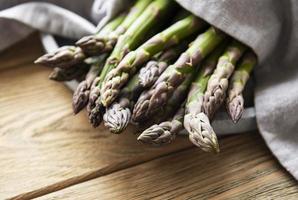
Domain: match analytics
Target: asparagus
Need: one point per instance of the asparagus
(154, 68)
(196, 122)
(127, 42)
(81, 94)
(100, 43)
(118, 115)
(235, 101)
(218, 82)
(64, 57)
(107, 38)
(76, 72)
(119, 76)
(174, 75)
(165, 132)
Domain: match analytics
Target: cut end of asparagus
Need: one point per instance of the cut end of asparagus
(235, 108)
(63, 57)
(95, 45)
(117, 118)
(95, 115)
(201, 133)
(149, 74)
(80, 97)
(157, 134)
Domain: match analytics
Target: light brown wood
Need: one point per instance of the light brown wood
(42, 143)
(243, 170)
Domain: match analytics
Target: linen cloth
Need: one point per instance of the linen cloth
(269, 27)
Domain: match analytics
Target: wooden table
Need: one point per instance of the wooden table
(48, 153)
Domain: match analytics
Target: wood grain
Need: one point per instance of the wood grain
(243, 170)
(42, 143)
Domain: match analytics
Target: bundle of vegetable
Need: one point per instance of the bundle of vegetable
(166, 83)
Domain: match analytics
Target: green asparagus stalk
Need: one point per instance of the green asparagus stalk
(107, 38)
(68, 56)
(64, 57)
(235, 101)
(127, 42)
(154, 68)
(76, 72)
(218, 82)
(100, 42)
(196, 122)
(81, 94)
(165, 132)
(174, 75)
(118, 115)
(119, 76)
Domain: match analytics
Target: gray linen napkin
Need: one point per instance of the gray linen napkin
(270, 27)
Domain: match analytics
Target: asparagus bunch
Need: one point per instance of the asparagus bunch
(81, 94)
(235, 101)
(218, 82)
(106, 39)
(127, 42)
(119, 76)
(162, 90)
(162, 81)
(196, 122)
(165, 132)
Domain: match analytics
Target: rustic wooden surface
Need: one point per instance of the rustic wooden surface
(48, 153)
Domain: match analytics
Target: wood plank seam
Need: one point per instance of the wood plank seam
(116, 167)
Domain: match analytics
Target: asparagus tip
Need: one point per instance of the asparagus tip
(235, 108)
(201, 133)
(148, 73)
(157, 134)
(95, 117)
(80, 97)
(92, 44)
(213, 100)
(63, 57)
(117, 118)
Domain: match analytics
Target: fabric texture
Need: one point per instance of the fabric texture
(269, 27)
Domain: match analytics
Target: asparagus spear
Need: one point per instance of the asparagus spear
(118, 115)
(107, 38)
(81, 94)
(174, 75)
(196, 122)
(64, 57)
(127, 42)
(100, 43)
(119, 76)
(235, 101)
(68, 56)
(165, 132)
(154, 68)
(218, 82)
(76, 72)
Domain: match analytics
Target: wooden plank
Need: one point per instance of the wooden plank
(42, 143)
(244, 169)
